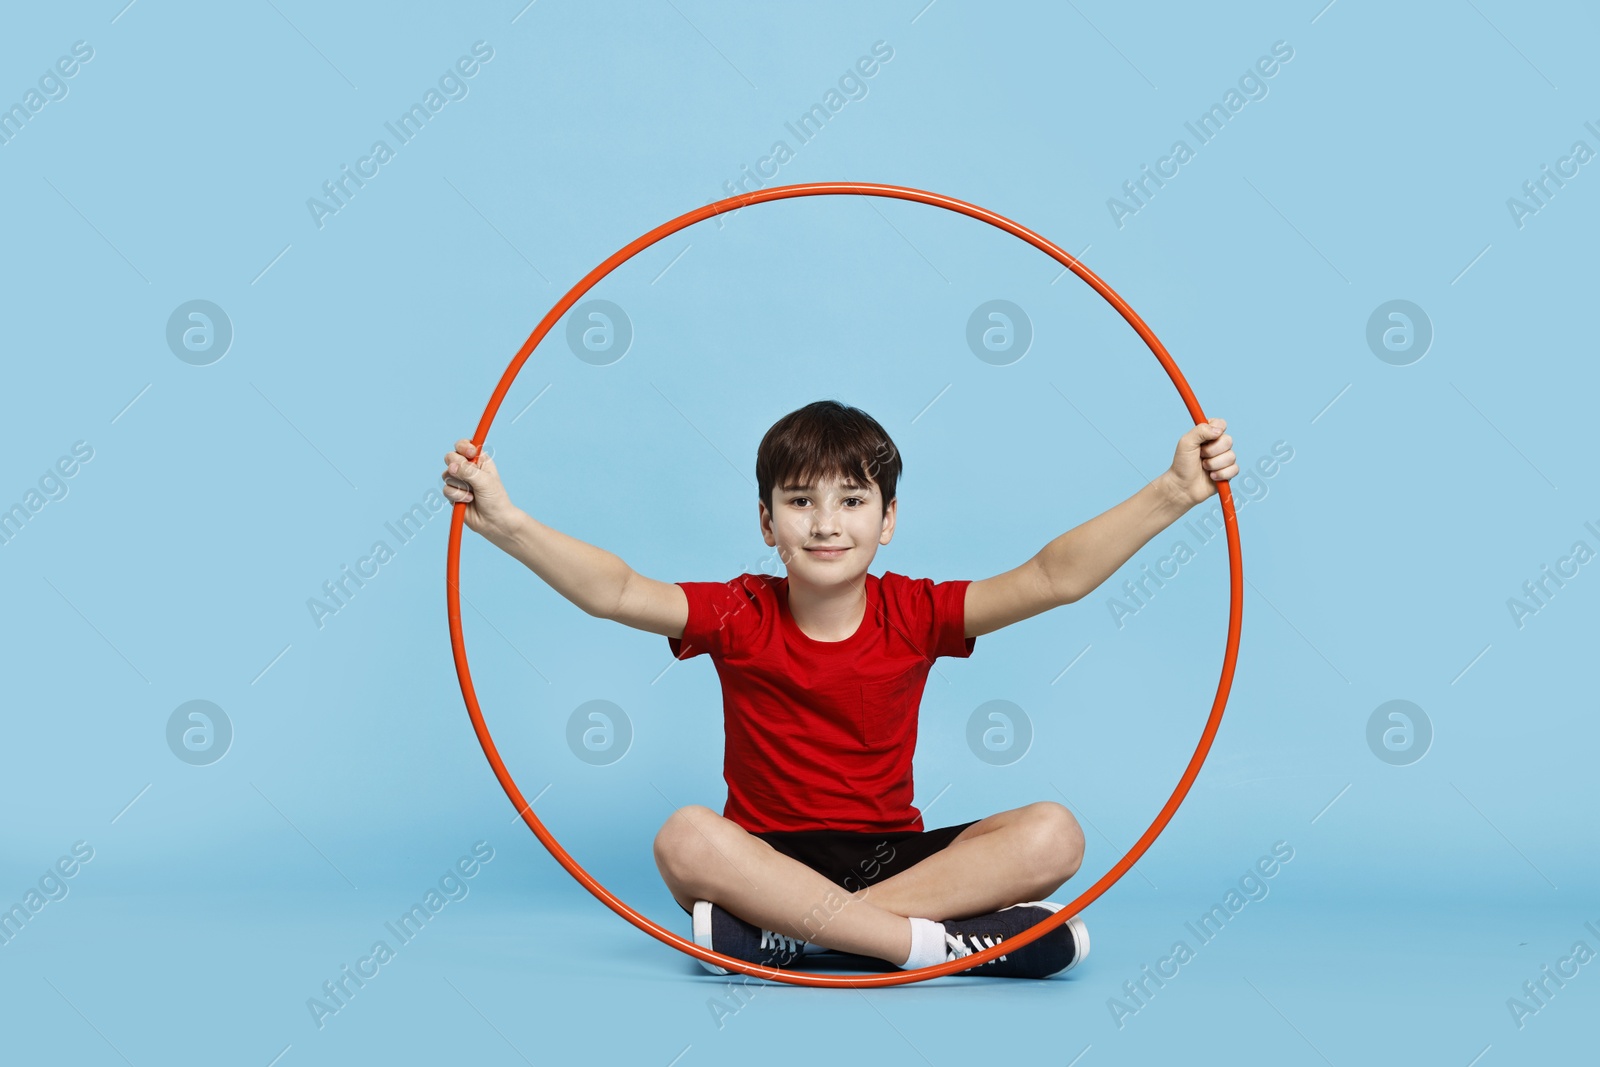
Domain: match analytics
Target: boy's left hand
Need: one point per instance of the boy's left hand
(1204, 457)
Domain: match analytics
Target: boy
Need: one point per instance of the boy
(822, 673)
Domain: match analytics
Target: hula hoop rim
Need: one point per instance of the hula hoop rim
(508, 784)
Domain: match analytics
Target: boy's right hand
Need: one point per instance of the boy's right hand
(477, 485)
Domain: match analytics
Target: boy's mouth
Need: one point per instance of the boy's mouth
(828, 553)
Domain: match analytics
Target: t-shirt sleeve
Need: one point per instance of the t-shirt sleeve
(722, 615)
(950, 619)
(933, 614)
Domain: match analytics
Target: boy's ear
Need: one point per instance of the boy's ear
(764, 523)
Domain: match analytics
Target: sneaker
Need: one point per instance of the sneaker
(722, 931)
(1060, 950)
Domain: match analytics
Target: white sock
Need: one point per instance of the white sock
(927, 944)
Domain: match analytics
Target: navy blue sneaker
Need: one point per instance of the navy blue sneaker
(1060, 950)
(722, 931)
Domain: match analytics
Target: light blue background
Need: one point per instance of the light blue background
(220, 498)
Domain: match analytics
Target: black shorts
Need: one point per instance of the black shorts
(855, 859)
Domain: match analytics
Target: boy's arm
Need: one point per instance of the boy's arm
(1074, 564)
(597, 581)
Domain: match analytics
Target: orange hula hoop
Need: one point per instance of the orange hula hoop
(667, 937)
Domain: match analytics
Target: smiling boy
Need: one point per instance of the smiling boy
(819, 847)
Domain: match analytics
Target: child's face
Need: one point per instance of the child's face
(841, 516)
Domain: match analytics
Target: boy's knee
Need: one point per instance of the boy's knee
(1059, 839)
(685, 843)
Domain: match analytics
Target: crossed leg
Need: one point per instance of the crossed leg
(1021, 854)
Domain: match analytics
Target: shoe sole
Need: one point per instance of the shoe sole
(702, 935)
(1080, 932)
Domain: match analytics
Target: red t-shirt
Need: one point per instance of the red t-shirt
(820, 734)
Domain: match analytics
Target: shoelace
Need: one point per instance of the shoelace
(783, 942)
(959, 948)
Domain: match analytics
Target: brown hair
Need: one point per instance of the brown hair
(826, 438)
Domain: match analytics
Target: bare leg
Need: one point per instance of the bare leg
(1022, 854)
(703, 856)
(1016, 855)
